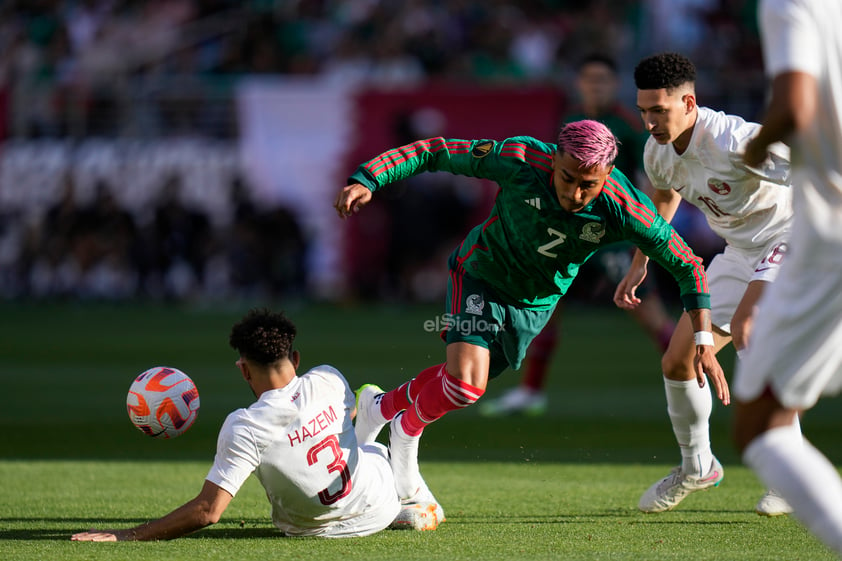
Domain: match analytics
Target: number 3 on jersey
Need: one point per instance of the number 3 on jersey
(558, 239)
(337, 463)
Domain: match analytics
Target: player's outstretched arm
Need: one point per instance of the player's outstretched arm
(624, 295)
(194, 515)
(705, 361)
(351, 199)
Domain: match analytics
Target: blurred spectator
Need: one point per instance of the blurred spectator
(352, 65)
(13, 259)
(392, 64)
(113, 273)
(677, 23)
(180, 240)
(85, 252)
(284, 252)
(49, 244)
(267, 249)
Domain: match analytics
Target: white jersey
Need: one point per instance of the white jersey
(747, 207)
(805, 36)
(300, 443)
(797, 343)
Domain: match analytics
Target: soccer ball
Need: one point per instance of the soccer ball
(163, 402)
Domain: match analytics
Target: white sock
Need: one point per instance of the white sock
(689, 408)
(786, 462)
(403, 451)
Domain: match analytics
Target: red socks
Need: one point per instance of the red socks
(433, 393)
(441, 395)
(403, 396)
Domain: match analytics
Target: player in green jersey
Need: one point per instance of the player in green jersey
(556, 206)
(598, 85)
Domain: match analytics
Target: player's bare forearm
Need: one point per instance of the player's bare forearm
(700, 319)
(184, 520)
(196, 514)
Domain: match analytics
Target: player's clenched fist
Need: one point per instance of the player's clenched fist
(351, 199)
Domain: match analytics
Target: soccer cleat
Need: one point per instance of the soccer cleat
(403, 454)
(517, 400)
(420, 512)
(369, 422)
(772, 504)
(671, 490)
(418, 516)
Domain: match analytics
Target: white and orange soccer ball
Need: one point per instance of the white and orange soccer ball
(163, 402)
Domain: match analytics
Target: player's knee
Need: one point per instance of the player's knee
(468, 363)
(469, 373)
(675, 366)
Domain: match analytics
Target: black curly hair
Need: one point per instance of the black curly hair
(263, 336)
(664, 70)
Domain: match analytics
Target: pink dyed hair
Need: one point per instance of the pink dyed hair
(590, 142)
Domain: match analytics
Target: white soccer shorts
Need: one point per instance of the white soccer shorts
(730, 272)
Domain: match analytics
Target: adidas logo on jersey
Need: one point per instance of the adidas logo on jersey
(536, 202)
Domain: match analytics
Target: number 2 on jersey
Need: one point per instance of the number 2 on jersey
(559, 239)
(337, 463)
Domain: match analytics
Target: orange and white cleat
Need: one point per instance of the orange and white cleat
(418, 516)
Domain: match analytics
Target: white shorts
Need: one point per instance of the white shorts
(730, 272)
(796, 346)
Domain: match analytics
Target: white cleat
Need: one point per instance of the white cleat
(772, 504)
(516, 401)
(369, 421)
(418, 516)
(403, 454)
(671, 490)
(420, 512)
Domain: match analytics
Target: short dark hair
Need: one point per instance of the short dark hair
(263, 336)
(664, 70)
(598, 58)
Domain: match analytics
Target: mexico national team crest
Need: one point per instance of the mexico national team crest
(474, 304)
(482, 149)
(592, 232)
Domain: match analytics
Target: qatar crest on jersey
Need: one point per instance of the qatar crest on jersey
(719, 187)
(592, 232)
(474, 304)
(482, 149)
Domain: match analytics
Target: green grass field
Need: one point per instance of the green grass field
(564, 486)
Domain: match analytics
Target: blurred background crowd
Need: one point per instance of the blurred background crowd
(149, 89)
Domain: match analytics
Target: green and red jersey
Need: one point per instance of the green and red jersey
(529, 249)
